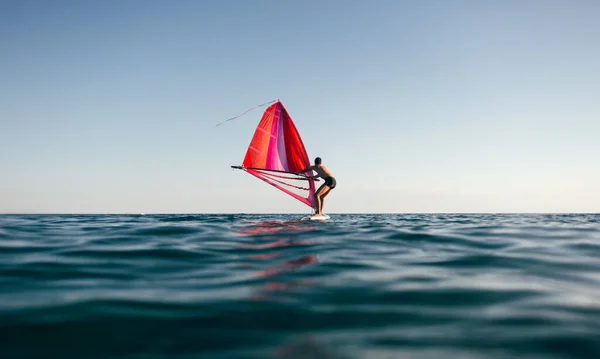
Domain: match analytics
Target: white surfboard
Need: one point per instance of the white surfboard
(322, 217)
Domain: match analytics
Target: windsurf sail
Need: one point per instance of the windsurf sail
(276, 155)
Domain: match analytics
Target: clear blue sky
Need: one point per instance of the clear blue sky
(416, 106)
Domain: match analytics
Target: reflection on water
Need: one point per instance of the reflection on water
(261, 238)
(304, 347)
(288, 266)
(272, 227)
(261, 234)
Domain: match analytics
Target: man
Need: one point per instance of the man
(325, 188)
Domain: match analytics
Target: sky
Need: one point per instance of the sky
(415, 106)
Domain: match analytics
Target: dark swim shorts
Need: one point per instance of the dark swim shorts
(330, 181)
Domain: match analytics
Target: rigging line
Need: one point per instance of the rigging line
(268, 170)
(285, 184)
(242, 114)
(271, 175)
(299, 178)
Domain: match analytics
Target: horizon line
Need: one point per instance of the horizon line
(268, 213)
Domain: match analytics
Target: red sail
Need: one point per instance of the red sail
(276, 151)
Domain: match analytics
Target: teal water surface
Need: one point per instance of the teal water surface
(271, 286)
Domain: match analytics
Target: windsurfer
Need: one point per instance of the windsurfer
(325, 188)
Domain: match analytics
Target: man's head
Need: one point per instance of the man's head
(318, 161)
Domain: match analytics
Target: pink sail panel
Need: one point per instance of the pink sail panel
(277, 146)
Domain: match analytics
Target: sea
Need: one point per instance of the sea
(182, 286)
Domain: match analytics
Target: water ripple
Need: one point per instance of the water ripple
(273, 286)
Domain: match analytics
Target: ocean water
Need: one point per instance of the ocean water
(270, 286)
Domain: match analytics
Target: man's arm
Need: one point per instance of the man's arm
(307, 169)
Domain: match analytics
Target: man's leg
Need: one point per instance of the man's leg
(322, 198)
(318, 195)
